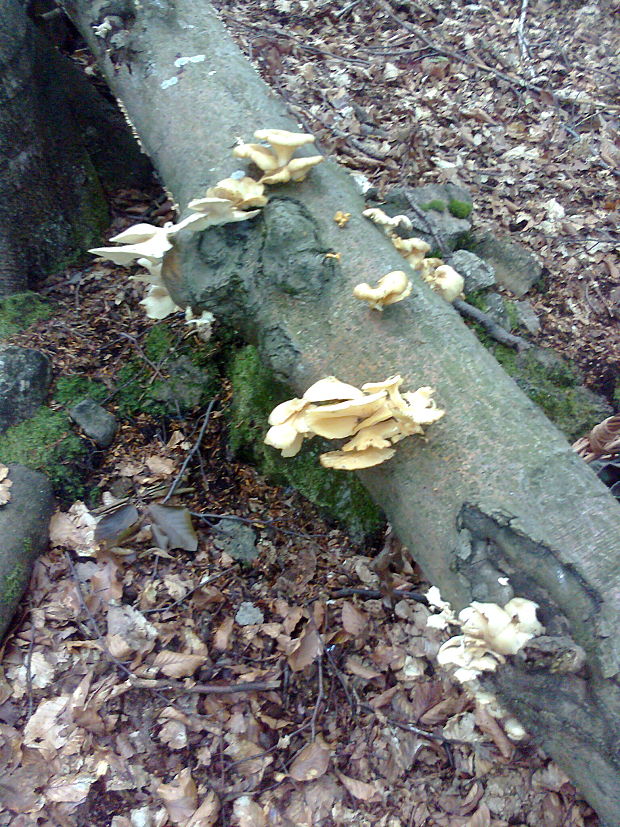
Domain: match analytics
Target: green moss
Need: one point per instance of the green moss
(187, 377)
(20, 310)
(512, 314)
(340, 495)
(460, 209)
(437, 205)
(70, 389)
(14, 582)
(47, 443)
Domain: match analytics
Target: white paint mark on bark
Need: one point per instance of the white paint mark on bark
(170, 82)
(182, 61)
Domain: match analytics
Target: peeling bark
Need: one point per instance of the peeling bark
(495, 491)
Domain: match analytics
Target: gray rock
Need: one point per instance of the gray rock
(24, 522)
(527, 317)
(95, 421)
(249, 615)
(477, 273)
(25, 376)
(515, 267)
(236, 539)
(184, 386)
(495, 307)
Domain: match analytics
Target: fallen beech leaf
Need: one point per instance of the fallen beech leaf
(207, 814)
(223, 633)
(360, 789)
(177, 664)
(115, 527)
(481, 818)
(74, 529)
(179, 797)
(70, 788)
(309, 648)
(354, 621)
(174, 734)
(173, 527)
(160, 465)
(310, 762)
(356, 667)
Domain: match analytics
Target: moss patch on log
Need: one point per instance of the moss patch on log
(20, 310)
(339, 494)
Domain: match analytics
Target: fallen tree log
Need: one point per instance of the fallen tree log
(496, 492)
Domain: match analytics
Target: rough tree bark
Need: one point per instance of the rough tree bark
(55, 134)
(496, 491)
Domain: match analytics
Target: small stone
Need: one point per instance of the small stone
(527, 317)
(478, 275)
(249, 615)
(515, 267)
(237, 540)
(95, 421)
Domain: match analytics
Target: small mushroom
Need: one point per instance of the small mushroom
(447, 282)
(387, 223)
(211, 212)
(412, 249)
(241, 192)
(259, 155)
(391, 288)
(296, 170)
(283, 143)
(342, 218)
(158, 302)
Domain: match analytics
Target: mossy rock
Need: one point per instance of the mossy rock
(48, 443)
(70, 389)
(20, 310)
(339, 494)
(554, 384)
(459, 209)
(188, 379)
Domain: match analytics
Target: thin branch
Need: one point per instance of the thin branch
(191, 453)
(492, 328)
(523, 44)
(207, 688)
(375, 594)
(319, 698)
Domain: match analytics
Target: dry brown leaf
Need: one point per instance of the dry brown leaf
(75, 530)
(207, 813)
(174, 734)
(356, 667)
(179, 797)
(73, 788)
(354, 621)
(481, 818)
(360, 789)
(177, 664)
(311, 762)
(309, 647)
(161, 466)
(223, 634)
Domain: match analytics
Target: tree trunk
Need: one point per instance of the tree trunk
(51, 203)
(496, 491)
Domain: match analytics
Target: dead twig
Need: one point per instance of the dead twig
(524, 46)
(207, 688)
(319, 698)
(494, 330)
(376, 594)
(191, 452)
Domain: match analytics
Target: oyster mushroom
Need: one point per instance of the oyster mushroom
(241, 192)
(447, 282)
(391, 288)
(356, 460)
(386, 222)
(283, 143)
(296, 170)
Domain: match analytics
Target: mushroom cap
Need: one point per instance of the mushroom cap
(210, 212)
(380, 415)
(420, 407)
(331, 388)
(285, 438)
(407, 246)
(158, 303)
(354, 460)
(137, 233)
(376, 436)
(389, 223)
(154, 272)
(391, 288)
(447, 282)
(242, 192)
(524, 611)
(285, 410)
(262, 157)
(152, 249)
(295, 170)
(351, 407)
(283, 143)
(333, 427)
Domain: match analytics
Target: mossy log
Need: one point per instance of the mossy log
(495, 492)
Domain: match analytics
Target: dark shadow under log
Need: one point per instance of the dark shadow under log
(496, 491)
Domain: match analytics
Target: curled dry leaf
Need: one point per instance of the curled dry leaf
(177, 664)
(207, 814)
(179, 797)
(75, 530)
(309, 648)
(360, 789)
(310, 762)
(248, 813)
(354, 621)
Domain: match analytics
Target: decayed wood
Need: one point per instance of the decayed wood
(496, 491)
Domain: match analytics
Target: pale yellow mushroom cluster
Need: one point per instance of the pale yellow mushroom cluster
(391, 288)
(441, 277)
(488, 633)
(232, 199)
(276, 160)
(373, 419)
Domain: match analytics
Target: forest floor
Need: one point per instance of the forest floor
(124, 696)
